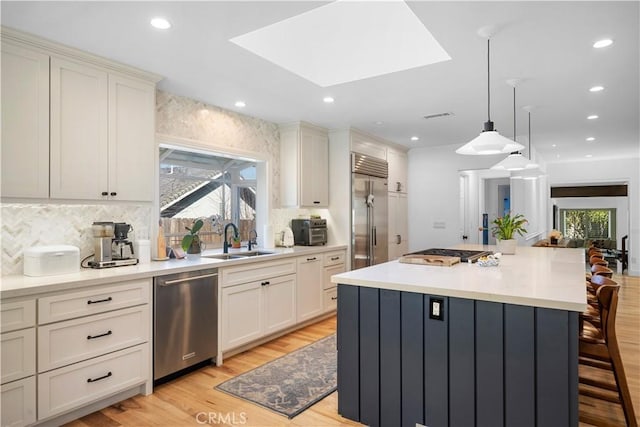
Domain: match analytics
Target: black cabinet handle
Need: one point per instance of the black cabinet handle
(265, 283)
(113, 193)
(316, 202)
(334, 298)
(335, 258)
(100, 300)
(105, 193)
(312, 259)
(92, 337)
(93, 380)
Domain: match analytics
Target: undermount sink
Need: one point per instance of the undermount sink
(237, 255)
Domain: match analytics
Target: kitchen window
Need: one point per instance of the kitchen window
(209, 186)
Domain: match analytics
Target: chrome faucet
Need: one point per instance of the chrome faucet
(225, 247)
(252, 240)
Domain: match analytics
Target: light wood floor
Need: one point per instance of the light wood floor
(179, 402)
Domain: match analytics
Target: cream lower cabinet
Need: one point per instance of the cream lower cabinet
(334, 263)
(309, 293)
(257, 300)
(17, 355)
(92, 343)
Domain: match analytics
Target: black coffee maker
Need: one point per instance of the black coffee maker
(121, 247)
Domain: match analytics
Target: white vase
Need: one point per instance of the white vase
(507, 247)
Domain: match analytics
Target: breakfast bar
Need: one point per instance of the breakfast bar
(462, 345)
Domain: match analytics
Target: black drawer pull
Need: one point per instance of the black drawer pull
(113, 193)
(334, 298)
(335, 258)
(93, 380)
(312, 259)
(100, 300)
(265, 283)
(104, 193)
(92, 337)
(316, 202)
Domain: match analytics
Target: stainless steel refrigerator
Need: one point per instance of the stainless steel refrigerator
(369, 220)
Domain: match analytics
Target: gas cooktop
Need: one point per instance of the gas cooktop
(464, 255)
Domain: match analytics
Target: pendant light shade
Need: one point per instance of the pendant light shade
(515, 161)
(489, 141)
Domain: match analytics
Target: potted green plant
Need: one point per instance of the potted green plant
(191, 243)
(504, 229)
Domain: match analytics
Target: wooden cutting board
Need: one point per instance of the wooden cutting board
(447, 261)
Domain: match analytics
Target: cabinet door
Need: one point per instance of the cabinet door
(78, 131)
(25, 122)
(398, 231)
(131, 139)
(279, 302)
(18, 354)
(314, 169)
(241, 314)
(18, 403)
(397, 171)
(330, 271)
(309, 288)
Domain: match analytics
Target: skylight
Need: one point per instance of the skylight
(346, 41)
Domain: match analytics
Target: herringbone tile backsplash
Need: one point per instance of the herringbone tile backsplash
(26, 225)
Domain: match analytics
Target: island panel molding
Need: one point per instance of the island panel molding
(454, 371)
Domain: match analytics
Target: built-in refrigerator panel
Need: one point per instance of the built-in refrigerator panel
(369, 209)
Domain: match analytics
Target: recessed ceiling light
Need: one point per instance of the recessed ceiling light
(596, 89)
(379, 123)
(592, 117)
(591, 139)
(589, 155)
(554, 145)
(240, 104)
(160, 23)
(414, 138)
(603, 43)
(328, 100)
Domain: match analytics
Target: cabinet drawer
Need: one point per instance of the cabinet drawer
(256, 271)
(92, 301)
(67, 388)
(17, 315)
(18, 354)
(75, 340)
(18, 403)
(334, 258)
(330, 299)
(330, 271)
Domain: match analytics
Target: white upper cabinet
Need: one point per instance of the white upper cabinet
(74, 126)
(79, 108)
(397, 170)
(304, 166)
(25, 122)
(132, 156)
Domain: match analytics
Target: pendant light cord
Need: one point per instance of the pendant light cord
(529, 135)
(488, 81)
(514, 112)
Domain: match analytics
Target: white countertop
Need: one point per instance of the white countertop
(538, 277)
(20, 286)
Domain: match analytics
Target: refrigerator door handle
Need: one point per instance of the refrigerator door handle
(375, 237)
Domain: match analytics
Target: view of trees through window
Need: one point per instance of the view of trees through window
(216, 189)
(588, 223)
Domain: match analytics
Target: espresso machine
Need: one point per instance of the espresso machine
(111, 245)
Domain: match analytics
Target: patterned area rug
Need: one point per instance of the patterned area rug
(291, 383)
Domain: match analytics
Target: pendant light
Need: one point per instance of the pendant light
(489, 141)
(515, 161)
(530, 173)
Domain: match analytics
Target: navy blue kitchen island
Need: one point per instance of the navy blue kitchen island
(462, 345)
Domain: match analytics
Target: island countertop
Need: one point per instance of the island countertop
(537, 277)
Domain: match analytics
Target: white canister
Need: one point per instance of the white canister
(268, 241)
(142, 250)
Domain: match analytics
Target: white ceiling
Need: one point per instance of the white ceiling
(548, 44)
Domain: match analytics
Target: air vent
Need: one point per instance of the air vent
(435, 116)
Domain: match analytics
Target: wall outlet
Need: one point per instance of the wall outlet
(436, 308)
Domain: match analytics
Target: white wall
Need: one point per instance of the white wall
(602, 172)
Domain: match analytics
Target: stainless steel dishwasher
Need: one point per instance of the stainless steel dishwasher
(185, 314)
